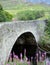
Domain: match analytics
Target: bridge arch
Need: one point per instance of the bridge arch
(25, 41)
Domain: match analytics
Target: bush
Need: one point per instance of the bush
(29, 15)
(45, 39)
(4, 16)
(1, 7)
(47, 29)
(39, 14)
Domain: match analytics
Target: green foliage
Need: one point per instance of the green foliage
(1, 7)
(47, 30)
(29, 15)
(4, 16)
(39, 14)
(45, 39)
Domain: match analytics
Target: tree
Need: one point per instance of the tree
(4, 16)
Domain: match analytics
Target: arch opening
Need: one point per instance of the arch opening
(25, 46)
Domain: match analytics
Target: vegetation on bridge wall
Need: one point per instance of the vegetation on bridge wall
(45, 39)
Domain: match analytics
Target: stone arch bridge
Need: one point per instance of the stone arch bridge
(10, 31)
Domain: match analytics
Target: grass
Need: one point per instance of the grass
(13, 8)
(18, 62)
(25, 61)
